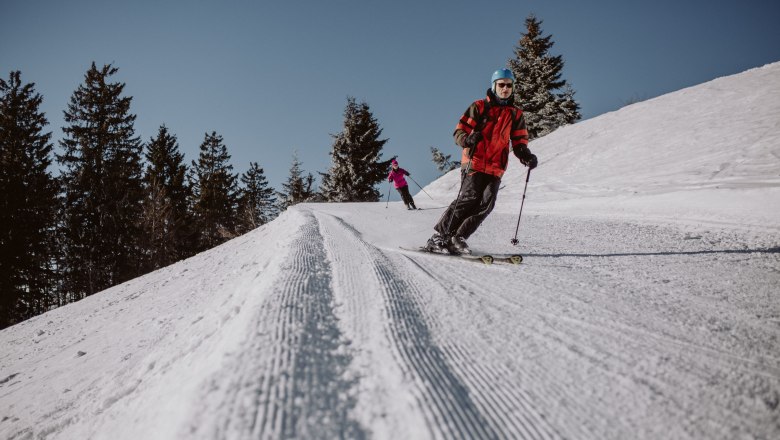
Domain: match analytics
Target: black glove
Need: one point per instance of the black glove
(472, 140)
(527, 158)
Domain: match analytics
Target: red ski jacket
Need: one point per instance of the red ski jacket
(499, 124)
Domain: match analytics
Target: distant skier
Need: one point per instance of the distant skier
(484, 132)
(397, 177)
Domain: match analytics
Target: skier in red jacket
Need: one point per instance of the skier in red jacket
(488, 130)
(397, 177)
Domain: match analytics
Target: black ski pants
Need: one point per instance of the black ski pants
(477, 198)
(407, 198)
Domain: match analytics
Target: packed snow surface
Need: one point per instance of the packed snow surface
(647, 306)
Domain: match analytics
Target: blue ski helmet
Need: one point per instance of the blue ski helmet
(501, 74)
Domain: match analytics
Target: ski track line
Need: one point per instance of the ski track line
(464, 295)
(458, 386)
(449, 411)
(308, 375)
(456, 280)
(564, 341)
(290, 377)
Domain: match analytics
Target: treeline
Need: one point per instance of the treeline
(121, 207)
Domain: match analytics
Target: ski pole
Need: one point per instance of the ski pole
(389, 187)
(415, 182)
(515, 241)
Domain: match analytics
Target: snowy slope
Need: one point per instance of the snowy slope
(647, 306)
(709, 153)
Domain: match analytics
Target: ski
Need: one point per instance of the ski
(484, 258)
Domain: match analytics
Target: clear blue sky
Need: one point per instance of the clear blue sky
(273, 77)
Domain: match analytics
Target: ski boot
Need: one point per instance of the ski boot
(458, 245)
(437, 243)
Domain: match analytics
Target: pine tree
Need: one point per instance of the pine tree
(166, 220)
(28, 204)
(257, 202)
(356, 166)
(538, 77)
(214, 192)
(102, 184)
(569, 109)
(443, 162)
(297, 189)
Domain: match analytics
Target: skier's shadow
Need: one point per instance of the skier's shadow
(773, 250)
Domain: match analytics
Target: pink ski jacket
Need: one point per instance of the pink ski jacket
(397, 177)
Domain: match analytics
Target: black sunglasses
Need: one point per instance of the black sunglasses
(504, 85)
